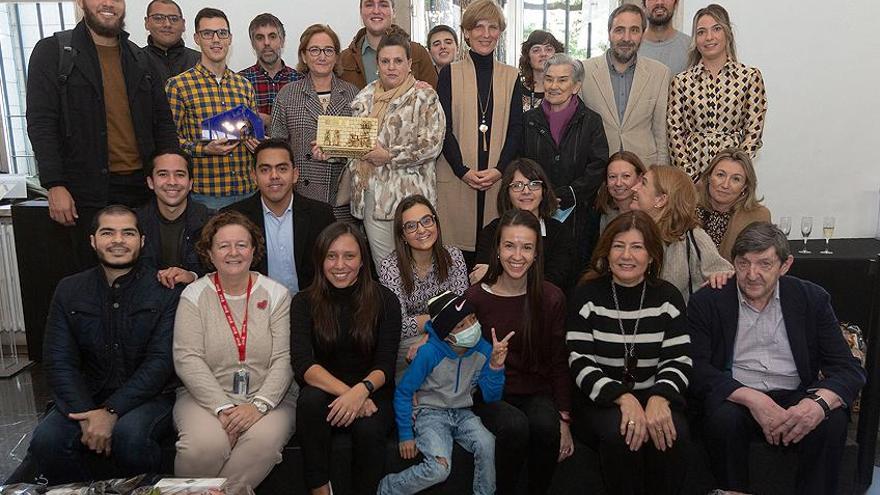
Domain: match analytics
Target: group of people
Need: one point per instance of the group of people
(527, 257)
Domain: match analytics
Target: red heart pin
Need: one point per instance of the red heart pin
(262, 304)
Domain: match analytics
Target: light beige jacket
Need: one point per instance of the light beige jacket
(643, 129)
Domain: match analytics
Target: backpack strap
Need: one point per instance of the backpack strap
(66, 56)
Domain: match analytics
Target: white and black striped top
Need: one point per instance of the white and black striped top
(596, 357)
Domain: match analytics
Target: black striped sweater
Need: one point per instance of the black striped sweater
(662, 345)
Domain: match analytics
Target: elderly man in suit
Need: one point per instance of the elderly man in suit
(628, 91)
(770, 360)
(290, 224)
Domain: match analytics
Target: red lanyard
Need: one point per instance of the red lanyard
(240, 338)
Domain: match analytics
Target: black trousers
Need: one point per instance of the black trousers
(368, 440)
(625, 472)
(730, 428)
(525, 428)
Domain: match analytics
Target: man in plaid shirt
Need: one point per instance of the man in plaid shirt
(221, 172)
(270, 73)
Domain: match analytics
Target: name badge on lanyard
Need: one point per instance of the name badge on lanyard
(241, 378)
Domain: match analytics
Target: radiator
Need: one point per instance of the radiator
(11, 313)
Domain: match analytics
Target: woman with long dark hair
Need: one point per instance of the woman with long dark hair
(630, 358)
(419, 268)
(345, 330)
(531, 423)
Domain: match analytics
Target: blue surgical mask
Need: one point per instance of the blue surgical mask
(468, 337)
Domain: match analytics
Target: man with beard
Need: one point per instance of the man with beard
(628, 91)
(221, 166)
(93, 127)
(270, 73)
(107, 358)
(166, 25)
(172, 223)
(661, 41)
(290, 223)
(358, 61)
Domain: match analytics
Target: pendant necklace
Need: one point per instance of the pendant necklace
(629, 358)
(484, 128)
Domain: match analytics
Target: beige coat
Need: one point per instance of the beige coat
(456, 201)
(739, 221)
(643, 130)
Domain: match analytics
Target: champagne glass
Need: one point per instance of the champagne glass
(827, 232)
(806, 228)
(785, 225)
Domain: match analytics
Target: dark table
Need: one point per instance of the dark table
(852, 277)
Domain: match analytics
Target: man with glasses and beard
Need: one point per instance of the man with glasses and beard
(107, 358)
(165, 23)
(94, 120)
(661, 41)
(628, 91)
(270, 73)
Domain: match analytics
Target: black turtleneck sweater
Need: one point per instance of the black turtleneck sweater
(345, 361)
(451, 150)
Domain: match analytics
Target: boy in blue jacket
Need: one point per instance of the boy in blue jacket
(442, 379)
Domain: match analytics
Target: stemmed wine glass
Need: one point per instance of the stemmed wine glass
(785, 225)
(827, 232)
(806, 228)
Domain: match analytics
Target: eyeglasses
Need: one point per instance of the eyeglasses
(315, 51)
(426, 221)
(161, 18)
(533, 185)
(208, 34)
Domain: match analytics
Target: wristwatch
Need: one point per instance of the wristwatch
(819, 400)
(369, 385)
(262, 407)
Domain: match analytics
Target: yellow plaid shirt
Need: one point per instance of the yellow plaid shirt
(194, 96)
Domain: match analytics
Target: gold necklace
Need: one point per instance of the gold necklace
(484, 128)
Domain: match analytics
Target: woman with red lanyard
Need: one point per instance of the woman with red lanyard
(232, 353)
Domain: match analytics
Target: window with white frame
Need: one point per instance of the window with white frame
(22, 24)
(580, 25)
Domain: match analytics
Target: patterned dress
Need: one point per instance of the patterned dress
(708, 113)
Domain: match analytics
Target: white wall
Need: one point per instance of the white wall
(297, 15)
(821, 66)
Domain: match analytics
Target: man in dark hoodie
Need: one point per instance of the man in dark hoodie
(358, 61)
(443, 376)
(165, 22)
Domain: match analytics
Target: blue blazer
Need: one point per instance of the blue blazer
(817, 344)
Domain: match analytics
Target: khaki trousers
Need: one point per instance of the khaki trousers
(203, 448)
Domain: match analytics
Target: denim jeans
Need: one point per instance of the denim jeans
(61, 457)
(215, 203)
(435, 431)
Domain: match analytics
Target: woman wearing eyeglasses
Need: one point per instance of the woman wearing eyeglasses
(419, 268)
(630, 358)
(296, 111)
(527, 187)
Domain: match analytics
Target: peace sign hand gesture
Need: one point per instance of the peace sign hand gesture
(499, 350)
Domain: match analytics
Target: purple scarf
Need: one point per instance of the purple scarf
(559, 120)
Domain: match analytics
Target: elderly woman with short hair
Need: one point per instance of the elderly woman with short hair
(727, 202)
(568, 140)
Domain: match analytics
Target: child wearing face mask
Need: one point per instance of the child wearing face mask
(440, 382)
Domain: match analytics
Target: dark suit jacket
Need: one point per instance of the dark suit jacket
(813, 333)
(310, 217)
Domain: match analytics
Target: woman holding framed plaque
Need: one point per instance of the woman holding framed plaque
(296, 111)
(411, 130)
(482, 101)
